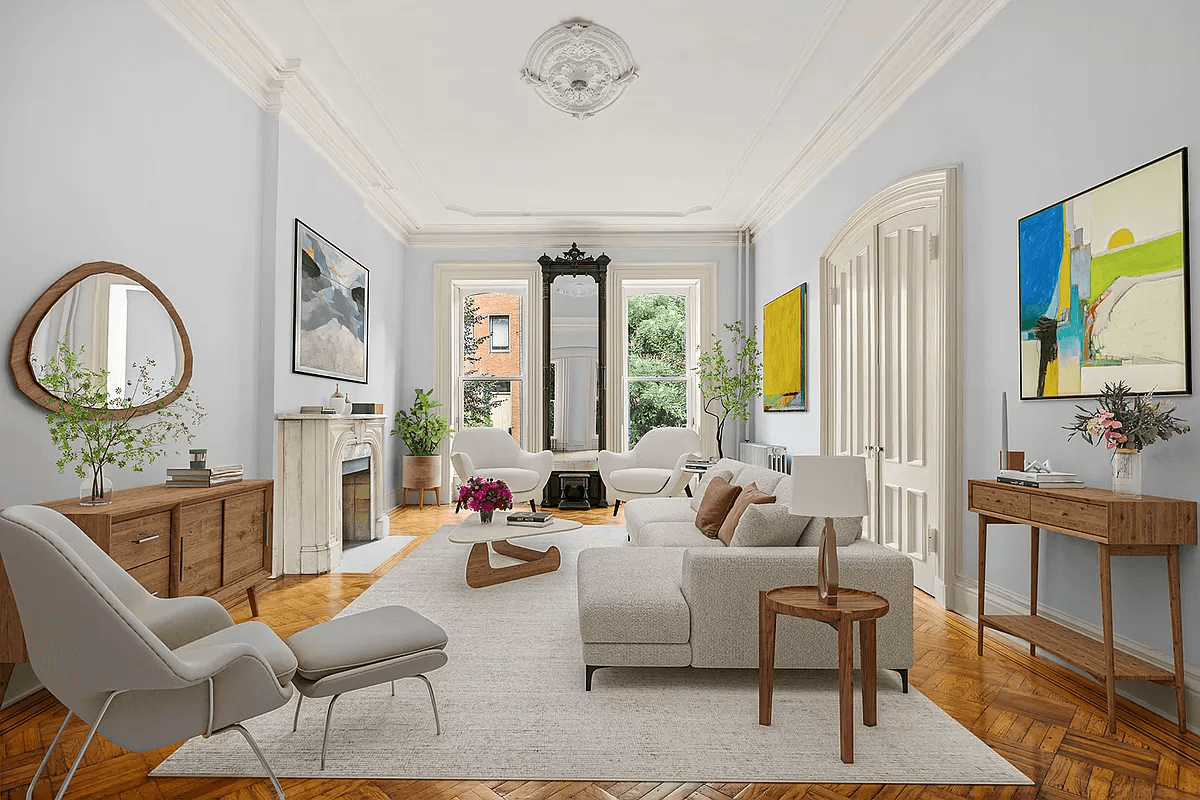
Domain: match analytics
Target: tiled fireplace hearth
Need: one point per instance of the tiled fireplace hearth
(317, 454)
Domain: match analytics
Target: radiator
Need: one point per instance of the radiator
(771, 456)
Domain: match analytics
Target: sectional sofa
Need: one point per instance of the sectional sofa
(678, 598)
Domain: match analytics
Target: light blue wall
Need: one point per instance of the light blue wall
(1046, 101)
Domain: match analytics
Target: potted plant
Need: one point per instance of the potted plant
(94, 428)
(730, 383)
(422, 430)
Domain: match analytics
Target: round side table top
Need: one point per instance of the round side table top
(802, 601)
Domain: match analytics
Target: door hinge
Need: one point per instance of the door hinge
(933, 247)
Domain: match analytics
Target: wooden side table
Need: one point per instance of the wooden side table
(853, 605)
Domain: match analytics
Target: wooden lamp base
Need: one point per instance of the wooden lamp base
(827, 566)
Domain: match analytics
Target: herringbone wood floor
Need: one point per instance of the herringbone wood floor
(1042, 718)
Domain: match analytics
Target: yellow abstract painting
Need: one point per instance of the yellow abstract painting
(785, 341)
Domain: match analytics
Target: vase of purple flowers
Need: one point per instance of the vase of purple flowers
(485, 495)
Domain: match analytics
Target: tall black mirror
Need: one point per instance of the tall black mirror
(573, 300)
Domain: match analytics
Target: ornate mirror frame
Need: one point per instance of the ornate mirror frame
(575, 262)
(22, 340)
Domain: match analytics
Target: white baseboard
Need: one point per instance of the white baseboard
(964, 599)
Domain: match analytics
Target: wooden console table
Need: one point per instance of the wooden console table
(1147, 526)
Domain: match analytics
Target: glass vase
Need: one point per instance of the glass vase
(485, 517)
(1127, 473)
(96, 489)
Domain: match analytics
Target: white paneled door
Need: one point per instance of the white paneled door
(885, 356)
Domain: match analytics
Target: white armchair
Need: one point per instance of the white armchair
(653, 468)
(493, 453)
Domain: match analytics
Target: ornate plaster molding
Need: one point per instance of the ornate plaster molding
(579, 67)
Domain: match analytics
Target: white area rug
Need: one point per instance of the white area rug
(367, 556)
(513, 706)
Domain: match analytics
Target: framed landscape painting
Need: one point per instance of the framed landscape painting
(1104, 287)
(331, 304)
(785, 351)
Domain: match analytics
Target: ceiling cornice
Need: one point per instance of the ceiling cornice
(937, 31)
(279, 86)
(594, 238)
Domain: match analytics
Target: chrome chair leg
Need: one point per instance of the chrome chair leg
(433, 701)
(82, 748)
(325, 741)
(46, 758)
(296, 719)
(393, 688)
(254, 746)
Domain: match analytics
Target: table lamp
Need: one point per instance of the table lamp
(829, 486)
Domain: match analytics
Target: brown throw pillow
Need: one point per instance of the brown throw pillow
(719, 497)
(749, 496)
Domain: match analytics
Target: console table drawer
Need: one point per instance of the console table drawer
(1010, 503)
(141, 540)
(1058, 513)
(155, 577)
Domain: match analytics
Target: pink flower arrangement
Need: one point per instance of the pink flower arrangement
(1126, 420)
(485, 494)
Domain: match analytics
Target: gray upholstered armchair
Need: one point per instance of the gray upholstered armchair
(653, 468)
(144, 671)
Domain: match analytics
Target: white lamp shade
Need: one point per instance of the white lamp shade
(829, 486)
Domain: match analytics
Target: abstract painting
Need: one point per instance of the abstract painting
(785, 351)
(331, 301)
(1104, 287)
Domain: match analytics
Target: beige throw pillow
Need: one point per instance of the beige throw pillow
(768, 525)
(750, 495)
(846, 530)
(719, 497)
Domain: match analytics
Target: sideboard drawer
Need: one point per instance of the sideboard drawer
(1059, 513)
(141, 540)
(1010, 502)
(155, 576)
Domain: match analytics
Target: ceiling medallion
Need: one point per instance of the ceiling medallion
(579, 68)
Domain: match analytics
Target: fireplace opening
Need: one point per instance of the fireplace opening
(356, 499)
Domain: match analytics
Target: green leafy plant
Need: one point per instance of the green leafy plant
(1126, 420)
(420, 428)
(730, 382)
(94, 428)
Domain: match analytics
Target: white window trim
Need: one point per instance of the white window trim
(492, 333)
(518, 277)
(626, 280)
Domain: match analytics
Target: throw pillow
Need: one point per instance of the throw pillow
(750, 495)
(702, 485)
(845, 530)
(768, 525)
(719, 497)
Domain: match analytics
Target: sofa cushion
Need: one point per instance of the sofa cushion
(705, 480)
(643, 511)
(517, 479)
(768, 525)
(846, 530)
(750, 495)
(765, 479)
(674, 534)
(719, 497)
(639, 480)
(632, 595)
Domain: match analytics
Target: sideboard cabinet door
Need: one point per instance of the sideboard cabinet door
(245, 536)
(196, 551)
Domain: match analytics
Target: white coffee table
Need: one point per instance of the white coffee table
(480, 571)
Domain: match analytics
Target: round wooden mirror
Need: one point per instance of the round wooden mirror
(120, 320)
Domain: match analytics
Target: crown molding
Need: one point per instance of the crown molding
(280, 86)
(591, 238)
(687, 212)
(935, 33)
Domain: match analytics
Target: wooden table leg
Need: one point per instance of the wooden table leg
(766, 659)
(1035, 534)
(252, 596)
(1110, 680)
(480, 571)
(1177, 633)
(982, 573)
(866, 652)
(6, 671)
(437, 495)
(846, 686)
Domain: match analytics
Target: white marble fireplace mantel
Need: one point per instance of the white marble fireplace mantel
(312, 448)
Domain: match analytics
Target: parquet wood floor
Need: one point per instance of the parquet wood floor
(1041, 717)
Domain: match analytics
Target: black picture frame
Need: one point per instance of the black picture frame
(331, 319)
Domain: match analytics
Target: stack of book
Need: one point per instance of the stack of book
(698, 463)
(1045, 480)
(316, 410)
(199, 478)
(530, 519)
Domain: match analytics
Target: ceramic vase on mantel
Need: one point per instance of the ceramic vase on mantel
(1127, 473)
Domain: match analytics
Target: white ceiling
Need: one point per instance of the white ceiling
(738, 107)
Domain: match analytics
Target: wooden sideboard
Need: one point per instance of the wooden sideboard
(1145, 526)
(212, 541)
